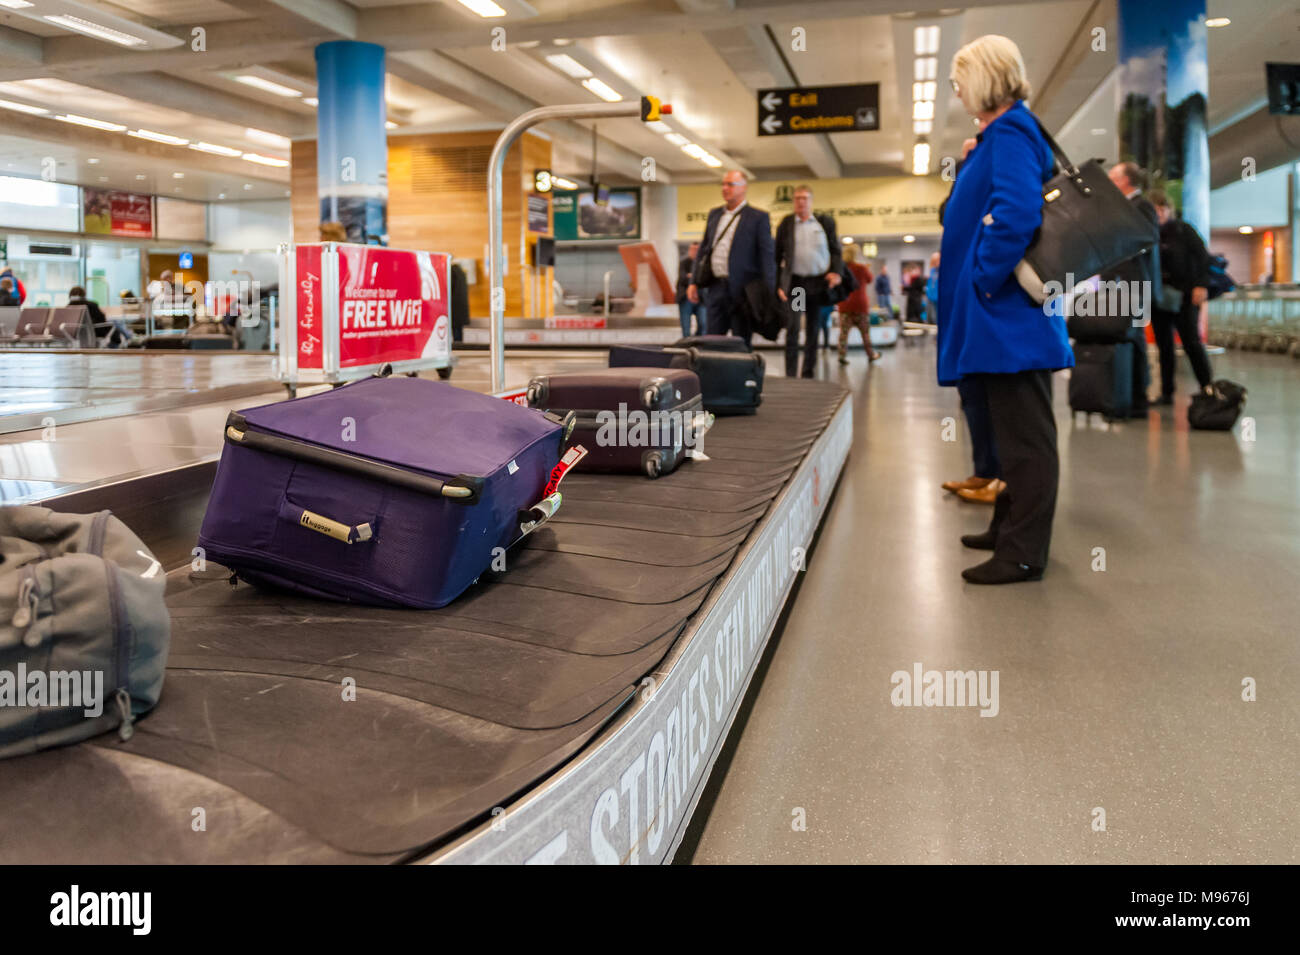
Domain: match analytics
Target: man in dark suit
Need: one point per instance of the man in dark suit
(736, 250)
(808, 259)
(1141, 273)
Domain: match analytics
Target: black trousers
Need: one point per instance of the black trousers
(1184, 321)
(814, 299)
(1020, 406)
(723, 314)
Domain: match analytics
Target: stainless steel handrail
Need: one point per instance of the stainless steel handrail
(496, 291)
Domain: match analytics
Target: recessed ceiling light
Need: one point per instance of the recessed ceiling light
(1246, 230)
(23, 107)
(920, 159)
(922, 127)
(909, 238)
(1217, 22)
(711, 160)
(87, 121)
(264, 160)
(659, 126)
(221, 195)
(694, 150)
(389, 124)
(567, 64)
(248, 185)
(677, 139)
(267, 139)
(484, 8)
(924, 91)
(141, 176)
(925, 68)
(215, 149)
(92, 160)
(267, 86)
(97, 30)
(926, 40)
(178, 175)
(562, 183)
(561, 41)
(103, 179)
(923, 110)
(602, 89)
(158, 137)
(16, 4)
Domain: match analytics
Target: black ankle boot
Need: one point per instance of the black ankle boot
(998, 571)
(985, 541)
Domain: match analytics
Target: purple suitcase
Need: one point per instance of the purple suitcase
(629, 419)
(639, 356)
(387, 491)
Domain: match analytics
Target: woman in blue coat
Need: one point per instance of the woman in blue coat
(988, 326)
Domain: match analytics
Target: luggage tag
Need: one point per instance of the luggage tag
(703, 422)
(543, 510)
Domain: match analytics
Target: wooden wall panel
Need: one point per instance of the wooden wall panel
(437, 200)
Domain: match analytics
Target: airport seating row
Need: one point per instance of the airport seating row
(69, 326)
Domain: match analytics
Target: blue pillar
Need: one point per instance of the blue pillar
(1164, 86)
(352, 140)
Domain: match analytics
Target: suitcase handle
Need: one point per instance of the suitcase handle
(538, 514)
(463, 489)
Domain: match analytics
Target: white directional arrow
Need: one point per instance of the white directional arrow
(769, 124)
(771, 101)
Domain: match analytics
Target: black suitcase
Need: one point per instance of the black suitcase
(1102, 379)
(731, 383)
(728, 343)
(1218, 411)
(632, 419)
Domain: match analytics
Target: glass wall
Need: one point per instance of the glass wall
(111, 269)
(46, 275)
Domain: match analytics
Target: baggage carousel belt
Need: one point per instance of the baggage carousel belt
(456, 710)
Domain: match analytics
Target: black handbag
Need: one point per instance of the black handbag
(848, 285)
(1219, 410)
(1088, 228)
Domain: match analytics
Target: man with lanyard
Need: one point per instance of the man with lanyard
(735, 251)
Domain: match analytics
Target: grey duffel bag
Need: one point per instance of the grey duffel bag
(83, 628)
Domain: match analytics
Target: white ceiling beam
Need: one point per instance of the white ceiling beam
(333, 15)
(172, 92)
(19, 48)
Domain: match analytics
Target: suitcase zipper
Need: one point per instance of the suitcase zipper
(28, 600)
(121, 628)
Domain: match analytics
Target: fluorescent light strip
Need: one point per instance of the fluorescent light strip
(924, 91)
(264, 160)
(267, 86)
(659, 127)
(389, 124)
(926, 40)
(677, 139)
(94, 123)
(694, 150)
(97, 30)
(602, 89)
(567, 64)
(158, 137)
(484, 8)
(711, 160)
(563, 183)
(927, 68)
(923, 110)
(23, 107)
(265, 138)
(16, 4)
(311, 101)
(215, 149)
(922, 127)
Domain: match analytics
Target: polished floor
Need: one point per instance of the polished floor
(1120, 689)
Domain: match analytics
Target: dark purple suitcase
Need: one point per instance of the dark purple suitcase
(388, 491)
(628, 419)
(712, 343)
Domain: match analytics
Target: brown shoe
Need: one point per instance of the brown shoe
(984, 495)
(972, 483)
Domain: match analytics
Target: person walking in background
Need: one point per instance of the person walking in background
(989, 327)
(807, 268)
(883, 290)
(914, 292)
(685, 307)
(855, 310)
(736, 250)
(932, 289)
(1185, 274)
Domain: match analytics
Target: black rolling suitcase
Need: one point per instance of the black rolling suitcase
(729, 343)
(732, 384)
(1217, 411)
(1102, 379)
(629, 419)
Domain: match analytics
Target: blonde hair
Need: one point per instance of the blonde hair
(989, 73)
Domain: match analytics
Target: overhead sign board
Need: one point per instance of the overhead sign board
(797, 110)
